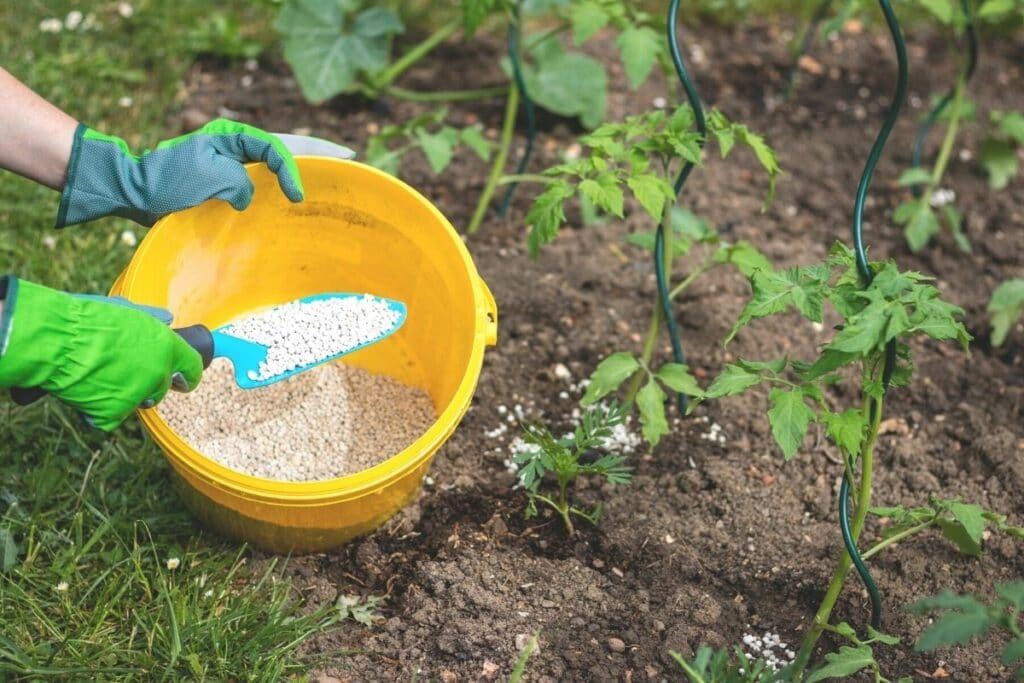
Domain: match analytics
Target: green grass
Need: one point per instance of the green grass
(87, 592)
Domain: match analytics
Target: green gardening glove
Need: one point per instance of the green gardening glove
(105, 179)
(104, 359)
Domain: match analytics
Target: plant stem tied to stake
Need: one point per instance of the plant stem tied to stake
(531, 114)
(851, 532)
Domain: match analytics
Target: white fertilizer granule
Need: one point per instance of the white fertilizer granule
(323, 423)
(298, 334)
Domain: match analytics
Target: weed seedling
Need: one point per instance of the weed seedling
(568, 458)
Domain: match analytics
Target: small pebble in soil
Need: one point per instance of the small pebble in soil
(327, 422)
(616, 645)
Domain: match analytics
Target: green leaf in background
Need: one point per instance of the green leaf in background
(745, 256)
(914, 176)
(8, 551)
(439, 147)
(473, 14)
(473, 137)
(650, 401)
(1005, 308)
(1013, 652)
(677, 377)
(685, 222)
(1013, 592)
(609, 374)
(964, 618)
(848, 660)
(789, 417)
(566, 83)
(640, 47)
(944, 10)
(1011, 124)
(999, 158)
(587, 18)
(733, 380)
(326, 53)
(993, 9)
(955, 221)
(846, 429)
(920, 220)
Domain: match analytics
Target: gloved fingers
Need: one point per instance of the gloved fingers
(163, 385)
(243, 143)
(186, 365)
(234, 185)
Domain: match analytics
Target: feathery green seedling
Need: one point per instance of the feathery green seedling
(725, 666)
(562, 458)
(964, 618)
(642, 155)
(896, 307)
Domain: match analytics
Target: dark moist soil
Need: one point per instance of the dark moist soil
(711, 541)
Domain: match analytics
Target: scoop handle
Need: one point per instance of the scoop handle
(198, 337)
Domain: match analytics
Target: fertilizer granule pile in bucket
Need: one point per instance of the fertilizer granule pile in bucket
(324, 423)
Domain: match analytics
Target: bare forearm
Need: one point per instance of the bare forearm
(37, 136)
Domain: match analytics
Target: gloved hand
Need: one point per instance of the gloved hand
(105, 179)
(104, 359)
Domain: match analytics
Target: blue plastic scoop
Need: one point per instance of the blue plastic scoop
(246, 356)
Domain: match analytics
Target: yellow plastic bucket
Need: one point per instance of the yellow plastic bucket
(358, 230)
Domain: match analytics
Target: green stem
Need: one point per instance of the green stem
(652, 328)
(414, 54)
(563, 506)
(896, 538)
(689, 279)
(835, 587)
(507, 129)
(946, 151)
(444, 95)
(526, 178)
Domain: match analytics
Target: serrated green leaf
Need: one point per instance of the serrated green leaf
(1012, 125)
(999, 159)
(848, 660)
(864, 333)
(1014, 592)
(639, 47)
(1005, 308)
(1013, 652)
(882, 637)
(923, 225)
(943, 9)
(971, 518)
(846, 429)
(961, 623)
(587, 18)
(8, 551)
(745, 256)
(677, 377)
(954, 532)
(473, 137)
(566, 83)
(652, 192)
(650, 401)
(846, 631)
(914, 176)
(733, 380)
(774, 366)
(438, 147)
(789, 417)
(609, 374)
(547, 215)
(605, 193)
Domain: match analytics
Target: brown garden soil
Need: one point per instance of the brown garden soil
(712, 540)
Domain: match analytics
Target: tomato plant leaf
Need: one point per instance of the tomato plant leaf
(846, 429)
(1010, 124)
(944, 10)
(652, 192)
(473, 137)
(1013, 652)
(848, 660)
(650, 401)
(999, 159)
(609, 374)
(587, 18)
(733, 380)
(955, 533)
(745, 256)
(971, 518)
(1013, 592)
(1005, 308)
(922, 225)
(789, 417)
(473, 14)
(914, 176)
(639, 47)
(566, 83)
(547, 215)
(605, 193)
(993, 9)
(963, 618)
(438, 147)
(677, 377)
